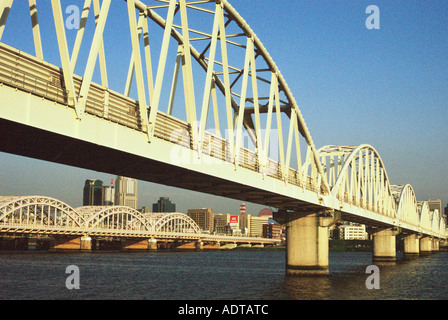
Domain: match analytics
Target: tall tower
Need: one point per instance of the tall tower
(242, 208)
(93, 193)
(126, 192)
(109, 194)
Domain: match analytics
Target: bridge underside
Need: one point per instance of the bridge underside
(24, 140)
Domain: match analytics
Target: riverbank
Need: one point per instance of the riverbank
(334, 246)
(351, 245)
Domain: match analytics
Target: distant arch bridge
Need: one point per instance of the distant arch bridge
(40, 215)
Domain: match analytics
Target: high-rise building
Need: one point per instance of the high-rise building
(164, 205)
(126, 192)
(205, 218)
(93, 193)
(108, 195)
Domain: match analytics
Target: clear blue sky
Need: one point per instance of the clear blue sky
(387, 88)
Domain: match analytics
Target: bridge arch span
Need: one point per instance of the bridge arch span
(407, 209)
(38, 211)
(436, 222)
(115, 218)
(425, 217)
(264, 90)
(357, 175)
(175, 222)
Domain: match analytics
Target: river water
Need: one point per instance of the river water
(217, 275)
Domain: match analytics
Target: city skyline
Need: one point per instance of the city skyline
(385, 87)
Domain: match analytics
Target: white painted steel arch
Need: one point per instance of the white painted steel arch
(435, 228)
(38, 211)
(116, 218)
(175, 222)
(425, 217)
(407, 208)
(45, 212)
(357, 175)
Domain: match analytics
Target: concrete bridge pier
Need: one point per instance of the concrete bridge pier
(199, 245)
(152, 244)
(426, 245)
(307, 245)
(412, 244)
(435, 244)
(384, 249)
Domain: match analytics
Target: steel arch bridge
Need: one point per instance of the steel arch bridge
(37, 213)
(203, 107)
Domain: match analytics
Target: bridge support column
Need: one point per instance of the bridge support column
(86, 244)
(435, 244)
(425, 245)
(307, 245)
(152, 244)
(384, 245)
(412, 244)
(199, 245)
